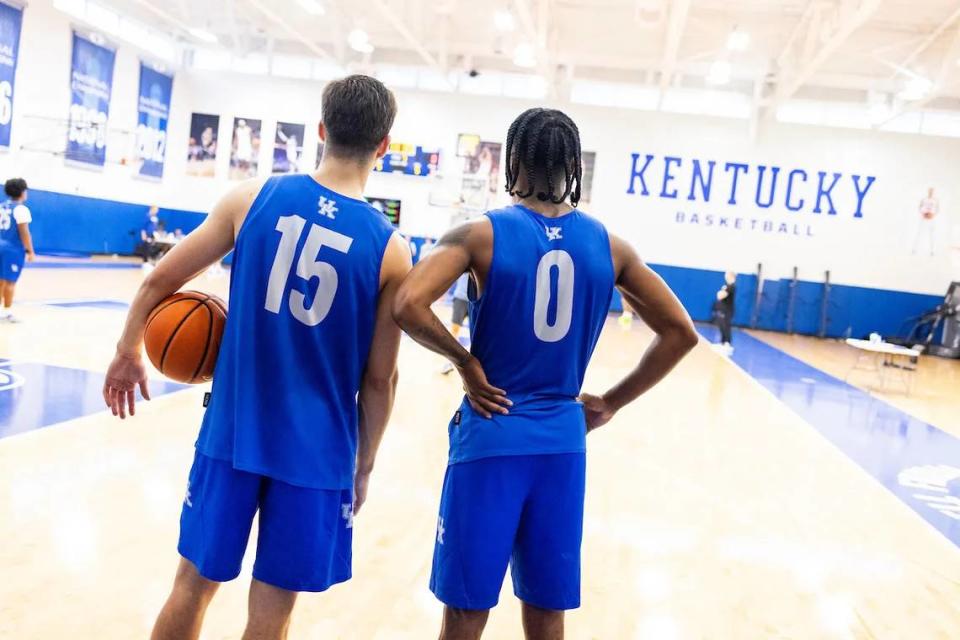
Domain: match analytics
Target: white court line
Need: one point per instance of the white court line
(847, 459)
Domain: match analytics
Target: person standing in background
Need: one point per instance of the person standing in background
(16, 244)
(461, 308)
(723, 310)
(147, 248)
(926, 226)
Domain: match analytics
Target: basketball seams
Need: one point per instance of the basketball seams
(206, 344)
(173, 334)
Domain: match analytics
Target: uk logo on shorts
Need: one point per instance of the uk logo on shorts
(347, 511)
(186, 498)
(440, 530)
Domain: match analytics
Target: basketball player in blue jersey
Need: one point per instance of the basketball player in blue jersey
(543, 273)
(306, 374)
(16, 243)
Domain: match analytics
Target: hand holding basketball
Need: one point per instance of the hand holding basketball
(125, 374)
(182, 336)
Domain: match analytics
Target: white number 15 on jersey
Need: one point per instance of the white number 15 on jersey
(308, 267)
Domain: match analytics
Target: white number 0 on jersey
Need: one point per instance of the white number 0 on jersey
(542, 328)
(291, 229)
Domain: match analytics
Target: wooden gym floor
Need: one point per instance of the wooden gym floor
(714, 509)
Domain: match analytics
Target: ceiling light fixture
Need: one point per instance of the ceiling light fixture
(359, 41)
(738, 40)
(312, 7)
(720, 72)
(917, 88)
(203, 34)
(503, 20)
(525, 55)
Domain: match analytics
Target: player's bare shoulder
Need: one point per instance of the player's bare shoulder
(236, 204)
(622, 253)
(476, 233)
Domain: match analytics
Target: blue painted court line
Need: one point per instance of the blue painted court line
(81, 264)
(34, 395)
(917, 462)
(113, 305)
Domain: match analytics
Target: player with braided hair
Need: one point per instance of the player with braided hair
(542, 276)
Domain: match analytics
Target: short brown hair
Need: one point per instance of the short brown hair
(358, 113)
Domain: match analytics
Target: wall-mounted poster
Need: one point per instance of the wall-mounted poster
(153, 113)
(388, 207)
(288, 147)
(244, 154)
(202, 152)
(409, 159)
(11, 19)
(589, 162)
(482, 160)
(91, 83)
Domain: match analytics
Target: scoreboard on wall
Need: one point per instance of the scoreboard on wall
(409, 160)
(389, 207)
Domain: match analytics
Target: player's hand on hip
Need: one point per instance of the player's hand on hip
(596, 410)
(485, 398)
(361, 483)
(125, 374)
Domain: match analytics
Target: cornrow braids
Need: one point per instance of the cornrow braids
(541, 141)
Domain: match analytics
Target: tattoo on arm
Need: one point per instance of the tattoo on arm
(456, 237)
(436, 337)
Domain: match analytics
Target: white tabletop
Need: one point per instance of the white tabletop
(882, 347)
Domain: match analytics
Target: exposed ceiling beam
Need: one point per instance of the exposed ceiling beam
(943, 82)
(930, 39)
(401, 27)
(166, 16)
(824, 35)
(294, 33)
(676, 25)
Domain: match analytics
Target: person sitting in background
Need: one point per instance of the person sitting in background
(16, 244)
(723, 310)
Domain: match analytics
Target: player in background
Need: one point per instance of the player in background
(306, 375)
(544, 274)
(461, 308)
(16, 244)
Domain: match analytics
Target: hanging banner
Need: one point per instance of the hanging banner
(91, 82)
(153, 113)
(11, 18)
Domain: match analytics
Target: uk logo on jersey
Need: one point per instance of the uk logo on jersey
(327, 207)
(440, 530)
(554, 233)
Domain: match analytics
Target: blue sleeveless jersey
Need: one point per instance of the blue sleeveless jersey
(534, 329)
(9, 233)
(304, 289)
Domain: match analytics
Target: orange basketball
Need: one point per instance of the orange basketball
(183, 336)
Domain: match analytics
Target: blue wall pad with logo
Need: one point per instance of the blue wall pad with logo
(34, 396)
(77, 224)
(915, 461)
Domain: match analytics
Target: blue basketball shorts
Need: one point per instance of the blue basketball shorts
(525, 511)
(305, 535)
(11, 264)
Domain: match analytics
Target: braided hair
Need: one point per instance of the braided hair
(545, 143)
